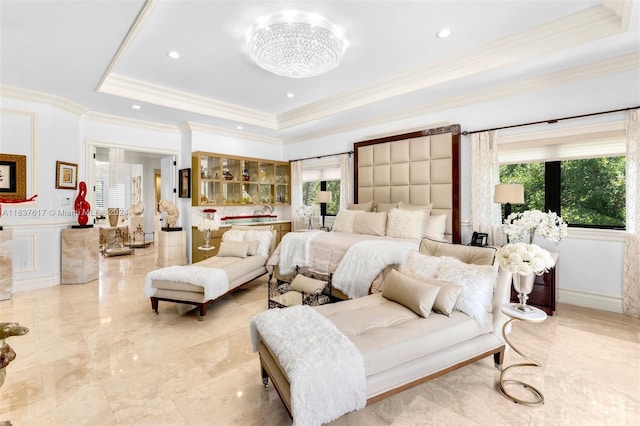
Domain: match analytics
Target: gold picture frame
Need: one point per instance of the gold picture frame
(66, 175)
(13, 176)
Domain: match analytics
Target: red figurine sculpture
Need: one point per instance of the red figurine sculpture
(82, 206)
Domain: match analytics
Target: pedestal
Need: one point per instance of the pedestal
(79, 255)
(172, 248)
(6, 263)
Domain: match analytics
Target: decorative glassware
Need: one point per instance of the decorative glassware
(523, 284)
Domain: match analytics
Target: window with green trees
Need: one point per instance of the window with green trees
(311, 188)
(585, 192)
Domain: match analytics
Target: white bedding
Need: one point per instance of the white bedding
(294, 250)
(214, 281)
(325, 369)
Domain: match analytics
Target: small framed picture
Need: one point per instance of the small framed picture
(66, 175)
(184, 183)
(13, 176)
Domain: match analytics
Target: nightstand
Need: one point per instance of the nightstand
(206, 251)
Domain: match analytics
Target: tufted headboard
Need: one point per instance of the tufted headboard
(416, 168)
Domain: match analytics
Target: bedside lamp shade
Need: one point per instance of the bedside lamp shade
(323, 197)
(507, 194)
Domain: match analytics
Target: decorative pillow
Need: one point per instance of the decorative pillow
(233, 249)
(253, 248)
(382, 207)
(410, 293)
(426, 208)
(422, 265)
(345, 219)
(306, 285)
(405, 223)
(478, 283)
(446, 297)
(436, 227)
(263, 238)
(370, 223)
(367, 207)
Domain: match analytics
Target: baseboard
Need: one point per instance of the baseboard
(35, 283)
(590, 300)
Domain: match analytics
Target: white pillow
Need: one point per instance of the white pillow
(436, 227)
(370, 223)
(344, 220)
(405, 223)
(262, 237)
(420, 265)
(426, 208)
(478, 283)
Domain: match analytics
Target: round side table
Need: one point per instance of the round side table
(206, 251)
(515, 314)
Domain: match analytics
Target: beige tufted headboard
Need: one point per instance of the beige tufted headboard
(417, 168)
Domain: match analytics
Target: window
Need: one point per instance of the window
(578, 173)
(322, 174)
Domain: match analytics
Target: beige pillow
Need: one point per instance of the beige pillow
(436, 227)
(382, 207)
(367, 207)
(410, 293)
(405, 223)
(446, 297)
(370, 223)
(233, 249)
(306, 285)
(345, 219)
(253, 248)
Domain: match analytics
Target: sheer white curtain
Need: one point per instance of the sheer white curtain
(346, 180)
(631, 295)
(296, 194)
(485, 174)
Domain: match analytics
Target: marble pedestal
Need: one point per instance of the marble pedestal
(172, 248)
(6, 263)
(79, 255)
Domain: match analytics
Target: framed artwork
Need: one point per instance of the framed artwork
(184, 183)
(13, 176)
(66, 175)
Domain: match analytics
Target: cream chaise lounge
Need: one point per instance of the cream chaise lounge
(401, 349)
(241, 258)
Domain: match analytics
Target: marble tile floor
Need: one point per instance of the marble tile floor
(97, 354)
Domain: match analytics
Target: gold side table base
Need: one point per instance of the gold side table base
(538, 397)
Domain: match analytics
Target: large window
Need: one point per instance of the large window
(586, 192)
(310, 190)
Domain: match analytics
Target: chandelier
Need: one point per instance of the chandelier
(296, 45)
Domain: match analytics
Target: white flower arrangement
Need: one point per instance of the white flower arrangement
(524, 259)
(520, 226)
(209, 224)
(308, 212)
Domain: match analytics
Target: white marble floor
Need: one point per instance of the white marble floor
(97, 354)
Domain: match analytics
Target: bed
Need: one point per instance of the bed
(242, 257)
(396, 180)
(359, 351)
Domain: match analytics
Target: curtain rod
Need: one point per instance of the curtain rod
(552, 121)
(322, 156)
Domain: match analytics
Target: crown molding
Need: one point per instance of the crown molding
(596, 22)
(129, 122)
(156, 94)
(222, 131)
(43, 98)
(584, 72)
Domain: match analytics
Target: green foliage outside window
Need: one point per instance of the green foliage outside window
(310, 189)
(592, 191)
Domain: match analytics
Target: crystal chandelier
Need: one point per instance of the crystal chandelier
(296, 45)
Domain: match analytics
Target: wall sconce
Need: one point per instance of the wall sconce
(508, 193)
(323, 197)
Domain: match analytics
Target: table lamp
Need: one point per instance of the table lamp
(323, 198)
(507, 193)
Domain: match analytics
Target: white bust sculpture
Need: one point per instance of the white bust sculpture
(171, 210)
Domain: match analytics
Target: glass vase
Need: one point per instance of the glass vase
(207, 238)
(523, 284)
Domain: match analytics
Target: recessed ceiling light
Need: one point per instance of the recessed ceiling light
(239, 127)
(290, 95)
(136, 107)
(443, 33)
(173, 54)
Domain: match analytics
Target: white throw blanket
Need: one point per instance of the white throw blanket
(325, 369)
(294, 250)
(363, 262)
(214, 281)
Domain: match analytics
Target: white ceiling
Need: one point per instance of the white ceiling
(107, 55)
